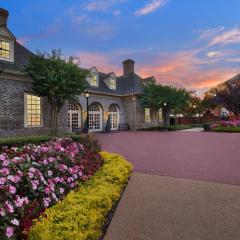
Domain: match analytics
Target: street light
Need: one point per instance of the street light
(87, 120)
(165, 115)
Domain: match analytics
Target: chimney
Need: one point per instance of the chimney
(128, 67)
(3, 17)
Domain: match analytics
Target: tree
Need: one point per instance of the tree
(195, 107)
(56, 79)
(166, 97)
(227, 95)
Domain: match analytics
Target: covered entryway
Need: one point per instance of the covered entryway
(95, 117)
(74, 117)
(113, 112)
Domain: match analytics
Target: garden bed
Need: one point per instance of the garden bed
(224, 126)
(83, 213)
(35, 177)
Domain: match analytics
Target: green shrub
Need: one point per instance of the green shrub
(82, 213)
(171, 127)
(88, 141)
(226, 129)
(206, 126)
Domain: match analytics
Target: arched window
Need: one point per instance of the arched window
(113, 112)
(95, 117)
(74, 117)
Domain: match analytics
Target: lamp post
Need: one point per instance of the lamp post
(165, 114)
(87, 97)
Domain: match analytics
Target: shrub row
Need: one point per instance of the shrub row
(87, 141)
(171, 127)
(82, 213)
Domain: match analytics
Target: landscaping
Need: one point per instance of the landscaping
(171, 127)
(225, 126)
(37, 179)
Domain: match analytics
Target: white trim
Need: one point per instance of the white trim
(26, 114)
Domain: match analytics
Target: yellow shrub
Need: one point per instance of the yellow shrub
(81, 214)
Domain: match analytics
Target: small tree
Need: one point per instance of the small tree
(227, 95)
(56, 79)
(166, 97)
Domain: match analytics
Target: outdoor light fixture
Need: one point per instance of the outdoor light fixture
(87, 120)
(165, 104)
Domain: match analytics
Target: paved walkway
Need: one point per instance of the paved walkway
(181, 188)
(164, 208)
(198, 129)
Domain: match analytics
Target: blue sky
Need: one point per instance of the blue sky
(194, 44)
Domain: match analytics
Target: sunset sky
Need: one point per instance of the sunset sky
(188, 43)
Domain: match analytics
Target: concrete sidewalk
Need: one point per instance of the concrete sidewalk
(165, 208)
(197, 129)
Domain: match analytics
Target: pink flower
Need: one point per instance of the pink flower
(30, 174)
(61, 190)
(19, 201)
(44, 149)
(15, 222)
(34, 185)
(5, 163)
(12, 189)
(2, 157)
(9, 232)
(9, 207)
(2, 212)
(4, 171)
(50, 173)
(2, 180)
(47, 190)
(51, 159)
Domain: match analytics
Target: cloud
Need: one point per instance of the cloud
(151, 7)
(206, 34)
(101, 5)
(227, 37)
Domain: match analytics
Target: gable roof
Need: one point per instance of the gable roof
(21, 58)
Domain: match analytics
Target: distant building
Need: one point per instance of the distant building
(23, 113)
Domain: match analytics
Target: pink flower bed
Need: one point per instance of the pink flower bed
(33, 178)
(226, 124)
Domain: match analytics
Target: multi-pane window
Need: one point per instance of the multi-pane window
(160, 115)
(4, 49)
(147, 115)
(95, 118)
(114, 116)
(112, 83)
(32, 111)
(74, 117)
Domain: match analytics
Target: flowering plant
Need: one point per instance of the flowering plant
(226, 124)
(33, 178)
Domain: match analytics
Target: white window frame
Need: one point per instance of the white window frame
(26, 113)
(112, 83)
(11, 50)
(147, 115)
(93, 73)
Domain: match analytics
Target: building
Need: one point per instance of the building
(23, 113)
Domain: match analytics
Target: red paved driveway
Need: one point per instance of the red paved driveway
(195, 155)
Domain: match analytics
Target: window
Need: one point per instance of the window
(32, 111)
(4, 49)
(160, 115)
(93, 77)
(147, 115)
(112, 83)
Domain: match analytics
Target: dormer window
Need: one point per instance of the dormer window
(93, 77)
(4, 49)
(112, 83)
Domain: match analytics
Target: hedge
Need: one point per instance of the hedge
(37, 140)
(82, 213)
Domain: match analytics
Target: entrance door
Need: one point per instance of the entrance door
(95, 118)
(114, 117)
(74, 117)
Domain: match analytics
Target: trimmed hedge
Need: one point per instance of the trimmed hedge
(171, 127)
(37, 140)
(226, 129)
(82, 213)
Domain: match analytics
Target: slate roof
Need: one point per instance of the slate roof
(21, 57)
(125, 85)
